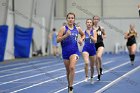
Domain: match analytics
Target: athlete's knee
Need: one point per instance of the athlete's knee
(72, 68)
(98, 57)
(133, 51)
(86, 64)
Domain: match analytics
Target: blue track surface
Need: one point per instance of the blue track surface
(47, 75)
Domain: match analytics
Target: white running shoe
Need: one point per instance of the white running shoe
(71, 91)
(91, 81)
(86, 79)
(132, 63)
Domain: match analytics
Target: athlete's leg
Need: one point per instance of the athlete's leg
(73, 60)
(86, 60)
(92, 62)
(54, 50)
(133, 49)
(99, 59)
(67, 64)
(132, 53)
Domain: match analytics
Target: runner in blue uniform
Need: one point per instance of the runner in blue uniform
(68, 36)
(89, 50)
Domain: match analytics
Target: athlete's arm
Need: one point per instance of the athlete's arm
(82, 35)
(126, 36)
(94, 38)
(104, 34)
(132, 34)
(135, 33)
(60, 35)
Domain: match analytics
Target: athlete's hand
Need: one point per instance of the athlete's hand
(68, 33)
(80, 42)
(130, 35)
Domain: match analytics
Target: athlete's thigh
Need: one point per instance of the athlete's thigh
(100, 51)
(73, 60)
(86, 57)
(133, 48)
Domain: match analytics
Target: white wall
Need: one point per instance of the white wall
(60, 8)
(3, 12)
(84, 8)
(121, 8)
(110, 8)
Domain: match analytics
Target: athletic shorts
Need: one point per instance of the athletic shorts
(97, 45)
(130, 43)
(66, 54)
(91, 51)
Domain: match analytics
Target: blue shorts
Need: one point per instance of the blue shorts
(90, 50)
(67, 54)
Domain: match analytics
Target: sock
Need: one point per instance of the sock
(99, 77)
(100, 70)
(132, 57)
(71, 88)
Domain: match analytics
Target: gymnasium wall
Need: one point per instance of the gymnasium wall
(117, 13)
(2, 12)
(105, 8)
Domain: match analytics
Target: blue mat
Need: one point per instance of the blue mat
(3, 39)
(22, 41)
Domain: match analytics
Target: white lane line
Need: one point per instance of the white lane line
(117, 80)
(35, 75)
(94, 76)
(34, 61)
(28, 65)
(25, 71)
(18, 64)
(43, 82)
(35, 82)
(39, 68)
(59, 78)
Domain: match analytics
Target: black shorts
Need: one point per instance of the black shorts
(97, 45)
(130, 43)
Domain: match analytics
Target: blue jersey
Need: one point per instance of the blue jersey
(89, 45)
(69, 44)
